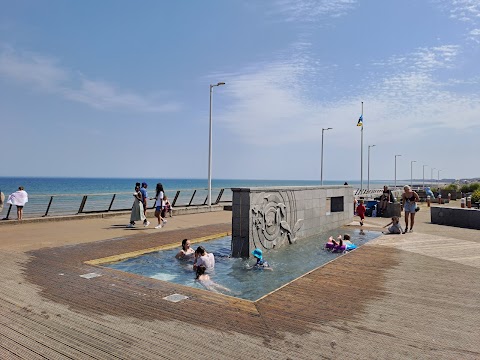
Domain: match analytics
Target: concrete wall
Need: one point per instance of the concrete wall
(460, 217)
(272, 217)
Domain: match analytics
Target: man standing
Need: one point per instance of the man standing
(143, 190)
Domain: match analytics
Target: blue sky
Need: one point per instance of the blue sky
(121, 88)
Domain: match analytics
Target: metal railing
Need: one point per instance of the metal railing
(73, 204)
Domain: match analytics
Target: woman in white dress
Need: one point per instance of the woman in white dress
(137, 213)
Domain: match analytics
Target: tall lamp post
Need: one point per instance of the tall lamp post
(360, 123)
(438, 178)
(424, 176)
(210, 147)
(396, 171)
(431, 176)
(368, 166)
(411, 172)
(321, 161)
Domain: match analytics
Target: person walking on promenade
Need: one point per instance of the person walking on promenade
(143, 190)
(409, 201)
(19, 198)
(159, 195)
(137, 213)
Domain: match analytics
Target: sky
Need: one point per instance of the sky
(117, 88)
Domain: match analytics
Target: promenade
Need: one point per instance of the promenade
(412, 296)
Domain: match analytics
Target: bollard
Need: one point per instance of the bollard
(469, 202)
(449, 196)
(439, 199)
(462, 202)
(428, 200)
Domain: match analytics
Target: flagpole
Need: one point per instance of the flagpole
(361, 156)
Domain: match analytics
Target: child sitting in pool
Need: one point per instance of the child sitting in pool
(396, 228)
(205, 280)
(336, 245)
(261, 262)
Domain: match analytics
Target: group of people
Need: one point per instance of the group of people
(409, 204)
(204, 264)
(139, 208)
(340, 244)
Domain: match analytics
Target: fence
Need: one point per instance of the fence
(71, 204)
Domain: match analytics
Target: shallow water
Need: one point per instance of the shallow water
(288, 263)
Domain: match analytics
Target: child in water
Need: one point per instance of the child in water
(261, 262)
(337, 244)
(205, 280)
(396, 228)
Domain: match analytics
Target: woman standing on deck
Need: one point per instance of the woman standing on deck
(409, 201)
(18, 198)
(137, 213)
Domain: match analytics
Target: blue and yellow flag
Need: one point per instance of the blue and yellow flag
(360, 121)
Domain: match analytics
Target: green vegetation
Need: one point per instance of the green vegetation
(451, 187)
(476, 196)
(470, 187)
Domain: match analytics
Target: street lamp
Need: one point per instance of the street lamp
(438, 178)
(368, 166)
(411, 172)
(321, 161)
(396, 171)
(210, 147)
(431, 176)
(424, 176)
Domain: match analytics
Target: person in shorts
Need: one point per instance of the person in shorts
(409, 202)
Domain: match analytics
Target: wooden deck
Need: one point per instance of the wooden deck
(397, 297)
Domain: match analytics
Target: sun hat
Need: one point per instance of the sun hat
(144, 184)
(257, 253)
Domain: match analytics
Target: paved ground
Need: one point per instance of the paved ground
(413, 296)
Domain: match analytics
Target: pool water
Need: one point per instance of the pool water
(288, 263)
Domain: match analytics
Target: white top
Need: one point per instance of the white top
(207, 260)
(159, 201)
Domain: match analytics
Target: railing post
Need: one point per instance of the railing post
(8, 213)
(194, 192)
(219, 196)
(111, 202)
(175, 198)
(48, 207)
(82, 204)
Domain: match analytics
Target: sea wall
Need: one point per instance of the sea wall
(268, 218)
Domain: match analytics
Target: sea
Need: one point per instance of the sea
(71, 185)
(66, 194)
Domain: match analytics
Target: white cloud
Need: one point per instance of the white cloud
(311, 10)
(272, 100)
(465, 10)
(46, 74)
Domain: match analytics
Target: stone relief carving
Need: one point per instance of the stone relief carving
(274, 219)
